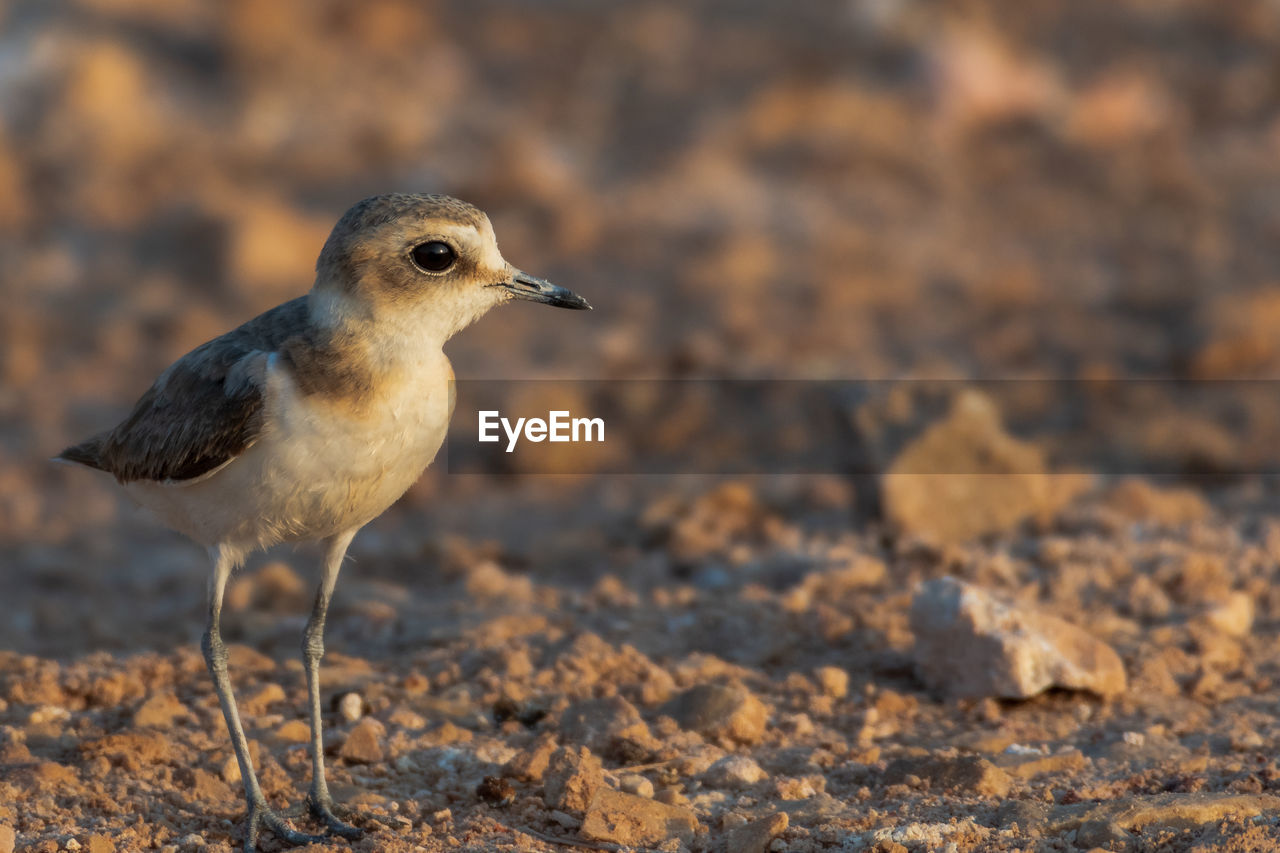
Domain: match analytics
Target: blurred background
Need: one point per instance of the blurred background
(862, 189)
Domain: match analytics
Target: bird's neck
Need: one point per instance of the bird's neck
(351, 354)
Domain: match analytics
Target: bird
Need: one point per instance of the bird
(308, 421)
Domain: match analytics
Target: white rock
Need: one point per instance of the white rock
(351, 707)
(971, 644)
(733, 771)
(634, 783)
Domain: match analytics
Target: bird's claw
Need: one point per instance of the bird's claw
(261, 816)
(322, 809)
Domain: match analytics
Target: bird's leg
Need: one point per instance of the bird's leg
(318, 798)
(215, 657)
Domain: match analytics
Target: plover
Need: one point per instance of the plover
(308, 421)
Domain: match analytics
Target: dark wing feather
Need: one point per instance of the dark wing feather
(202, 412)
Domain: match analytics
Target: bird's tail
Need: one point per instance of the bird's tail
(88, 453)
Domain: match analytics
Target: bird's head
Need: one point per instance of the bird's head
(431, 261)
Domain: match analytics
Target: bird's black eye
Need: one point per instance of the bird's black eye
(436, 256)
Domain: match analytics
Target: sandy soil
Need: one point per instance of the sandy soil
(876, 190)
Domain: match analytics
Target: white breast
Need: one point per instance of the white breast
(320, 466)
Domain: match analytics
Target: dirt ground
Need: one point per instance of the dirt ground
(889, 190)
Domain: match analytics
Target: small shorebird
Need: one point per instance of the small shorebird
(311, 419)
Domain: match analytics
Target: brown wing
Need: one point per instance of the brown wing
(202, 412)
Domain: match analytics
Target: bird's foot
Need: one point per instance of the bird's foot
(262, 816)
(322, 809)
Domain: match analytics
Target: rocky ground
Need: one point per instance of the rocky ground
(785, 691)
(1042, 616)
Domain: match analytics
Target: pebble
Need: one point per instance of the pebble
(45, 714)
(160, 711)
(364, 743)
(964, 476)
(798, 788)
(1030, 765)
(572, 779)
(634, 783)
(8, 838)
(728, 711)
(351, 707)
(833, 681)
(622, 818)
(255, 704)
(278, 585)
(1103, 833)
(1233, 617)
(966, 773)
(733, 771)
(756, 836)
(1140, 500)
(969, 644)
(531, 764)
(598, 724)
(294, 731)
(1173, 811)
(231, 767)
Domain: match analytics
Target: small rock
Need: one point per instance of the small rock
(884, 845)
(159, 711)
(95, 843)
(8, 838)
(1139, 500)
(256, 703)
(728, 711)
(270, 245)
(531, 764)
(1103, 833)
(406, 718)
(964, 476)
(1027, 814)
(733, 771)
(364, 743)
(1177, 812)
(833, 681)
(756, 836)
(597, 724)
(231, 767)
(634, 783)
(970, 644)
(496, 791)
(573, 777)
(627, 819)
(967, 773)
(278, 585)
(1233, 617)
(1028, 766)
(672, 796)
(48, 714)
(799, 788)
(351, 707)
(203, 786)
(242, 658)
(294, 731)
